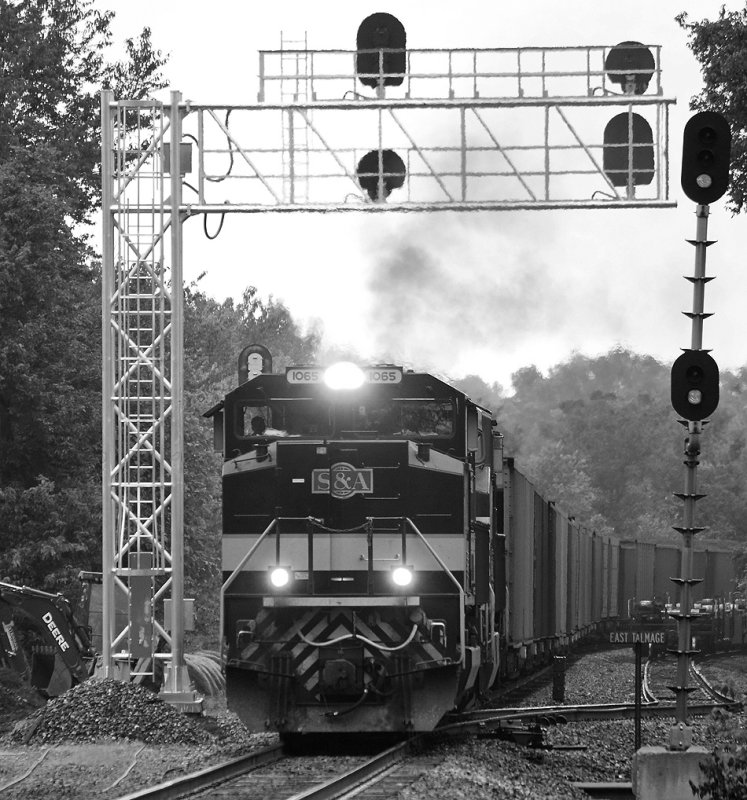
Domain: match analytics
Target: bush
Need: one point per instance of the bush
(725, 775)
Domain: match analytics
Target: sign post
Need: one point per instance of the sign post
(638, 637)
(638, 648)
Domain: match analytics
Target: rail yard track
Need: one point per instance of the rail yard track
(461, 753)
(661, 674)
(274, 774)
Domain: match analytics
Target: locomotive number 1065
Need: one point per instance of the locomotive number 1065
(371, 375)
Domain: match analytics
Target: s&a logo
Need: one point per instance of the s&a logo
(342, 480)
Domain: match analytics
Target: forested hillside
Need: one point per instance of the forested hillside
(599, 435)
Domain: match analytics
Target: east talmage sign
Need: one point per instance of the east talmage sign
(637, 637)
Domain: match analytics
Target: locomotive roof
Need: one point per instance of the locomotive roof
(412, 384)
(308, 383)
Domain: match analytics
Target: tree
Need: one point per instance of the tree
(598, 436)
(53, 55)
(721, 48)
(52, 62)
(488, 395)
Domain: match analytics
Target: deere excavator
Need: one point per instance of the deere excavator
(45, 642)
(42, 641)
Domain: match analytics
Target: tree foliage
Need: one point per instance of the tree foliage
(724, 773)
(720, 47)
(53, 61)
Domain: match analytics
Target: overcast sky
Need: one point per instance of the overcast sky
(480, 293)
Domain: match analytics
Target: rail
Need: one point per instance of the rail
(187, 785)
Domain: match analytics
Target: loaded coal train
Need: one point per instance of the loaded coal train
(384, 561)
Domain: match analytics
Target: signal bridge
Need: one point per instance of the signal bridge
(376, 129)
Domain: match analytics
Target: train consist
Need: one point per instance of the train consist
(383, 560)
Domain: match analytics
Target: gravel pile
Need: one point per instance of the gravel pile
(108, 709)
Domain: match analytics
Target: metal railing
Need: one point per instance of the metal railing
(467, 73)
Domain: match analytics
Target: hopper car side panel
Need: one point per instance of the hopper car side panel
(560, 525)
(520, 553)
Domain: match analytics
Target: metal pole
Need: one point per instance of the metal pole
(638, 647)
(177, 679)
(107, 381)
(681, 735)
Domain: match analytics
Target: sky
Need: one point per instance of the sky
(481, 293)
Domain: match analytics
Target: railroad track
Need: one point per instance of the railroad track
(661, 674)
(484, 719)
(272, 774)
(518, 689)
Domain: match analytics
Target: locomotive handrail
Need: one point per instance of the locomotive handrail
(232, 577)
(273, 527)
(462, 594)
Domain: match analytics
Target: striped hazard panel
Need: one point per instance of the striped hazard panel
(339, 651)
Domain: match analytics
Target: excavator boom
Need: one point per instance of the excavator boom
(62, 653)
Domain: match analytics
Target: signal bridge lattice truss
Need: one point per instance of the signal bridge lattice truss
(474, 129)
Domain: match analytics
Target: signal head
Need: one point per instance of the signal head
(381, 57)
(380, 172)
(631, 64)
(625, 133)
(706, 157)
(695, 385)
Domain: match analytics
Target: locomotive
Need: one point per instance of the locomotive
(360, 547)
(383, 561)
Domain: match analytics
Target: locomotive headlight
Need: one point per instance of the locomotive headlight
(344, 375)
(280, 576)
(402, 576)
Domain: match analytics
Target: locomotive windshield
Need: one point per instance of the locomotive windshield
(291, 417)
(377, 418)
(405, 417)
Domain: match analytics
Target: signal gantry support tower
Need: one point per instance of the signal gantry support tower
(458, 129)
(143, 408)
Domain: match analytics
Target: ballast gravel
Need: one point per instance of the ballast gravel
(109, 709)
(104, 739)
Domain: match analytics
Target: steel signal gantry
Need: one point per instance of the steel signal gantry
(470, 129)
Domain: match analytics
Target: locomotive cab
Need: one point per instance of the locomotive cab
(357, 563)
